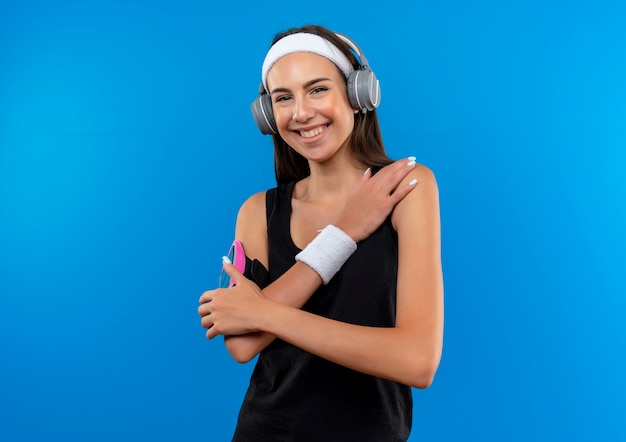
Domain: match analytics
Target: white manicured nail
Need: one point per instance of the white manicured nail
(411, 163)
(226, 260)
(366, 170)
(412, 182)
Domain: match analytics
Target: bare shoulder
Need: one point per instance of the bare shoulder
(422, 201)
(253, 206)
(251, 227)
(424, 176)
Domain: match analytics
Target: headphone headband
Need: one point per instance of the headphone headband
(356, 49)
(362, 86)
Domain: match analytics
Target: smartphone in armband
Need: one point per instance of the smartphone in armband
(238, 258)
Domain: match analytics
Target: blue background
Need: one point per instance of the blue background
(127, 146)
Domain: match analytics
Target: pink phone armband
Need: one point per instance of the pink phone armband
(238, 258)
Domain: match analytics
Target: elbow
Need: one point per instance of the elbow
(423, 381)
(240, 353)
(423, 375)
(242, 357)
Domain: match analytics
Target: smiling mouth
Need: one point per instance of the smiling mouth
(313, 132)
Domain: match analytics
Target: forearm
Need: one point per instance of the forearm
(404, 355)
(368, 206)
(293, 289)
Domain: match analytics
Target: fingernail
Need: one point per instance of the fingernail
(412, 182)
(366, 170)
(411, 163)
(226, 260)
(411, 158)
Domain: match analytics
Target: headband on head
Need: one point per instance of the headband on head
(304, 42)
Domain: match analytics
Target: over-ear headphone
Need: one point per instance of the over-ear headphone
(362, 86)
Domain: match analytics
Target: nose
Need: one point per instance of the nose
(302, 111)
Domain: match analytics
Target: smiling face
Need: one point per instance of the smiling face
(310, 105)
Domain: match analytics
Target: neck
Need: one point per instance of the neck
(332, 180)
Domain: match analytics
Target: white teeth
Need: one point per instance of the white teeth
(312, 133)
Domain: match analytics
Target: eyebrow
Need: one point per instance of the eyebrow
(306, 85)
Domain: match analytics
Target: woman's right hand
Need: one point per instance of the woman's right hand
(374, 198)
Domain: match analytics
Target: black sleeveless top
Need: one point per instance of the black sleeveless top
(297, 396)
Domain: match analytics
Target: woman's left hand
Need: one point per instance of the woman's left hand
(231, 311)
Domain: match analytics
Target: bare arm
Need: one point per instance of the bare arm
(293, 288)
(367, 208)
(409, 352)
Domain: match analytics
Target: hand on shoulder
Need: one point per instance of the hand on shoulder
(422, 202)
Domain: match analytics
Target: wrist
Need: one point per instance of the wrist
(328, 251)
(352, 231)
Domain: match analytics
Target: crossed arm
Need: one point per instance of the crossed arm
(408, 353)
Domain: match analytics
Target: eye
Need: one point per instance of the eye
(282, 98)
(319, 89)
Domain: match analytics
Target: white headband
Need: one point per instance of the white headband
(303, 42)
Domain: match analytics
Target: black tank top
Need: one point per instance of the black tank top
(297, 396)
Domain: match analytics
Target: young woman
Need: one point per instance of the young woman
(352, 317)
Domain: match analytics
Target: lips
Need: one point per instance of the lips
(313, 132)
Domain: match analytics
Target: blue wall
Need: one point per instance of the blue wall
(127, 146)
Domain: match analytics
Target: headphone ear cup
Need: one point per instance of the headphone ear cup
(363, 90)
(263, 115)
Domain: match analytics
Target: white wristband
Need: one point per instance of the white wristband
(328, 251)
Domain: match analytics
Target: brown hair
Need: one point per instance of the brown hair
(366, 140)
